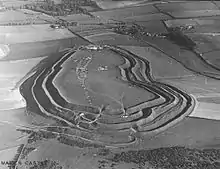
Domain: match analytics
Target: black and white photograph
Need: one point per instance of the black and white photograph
(109, 84)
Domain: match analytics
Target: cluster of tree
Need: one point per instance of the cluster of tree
(66, 7)
(54, 10)
(8, 8)
(18, 23)
(78, 2)
(62, 24)
(127, 29)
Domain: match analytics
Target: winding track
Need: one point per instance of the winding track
(112, 127)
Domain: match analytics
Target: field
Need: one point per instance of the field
(38, 49)
(32, 33)
(15, 3)
(116, 4)
(133, 85)
(19, 18)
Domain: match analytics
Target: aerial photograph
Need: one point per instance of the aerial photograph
(109, 84)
